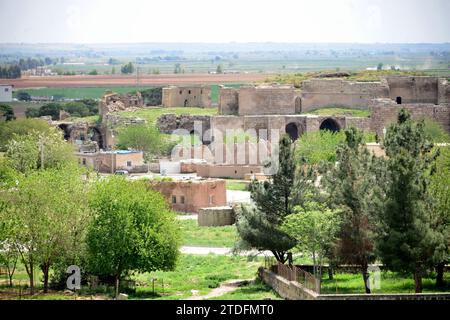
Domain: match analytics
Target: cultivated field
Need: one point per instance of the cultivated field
(117, 80)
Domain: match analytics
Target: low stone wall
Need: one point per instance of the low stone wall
(292, 290)
(216, 217)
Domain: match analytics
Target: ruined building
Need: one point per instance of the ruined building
(199, 96)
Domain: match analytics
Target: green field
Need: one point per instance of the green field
(339, 111)
(152, 114)
(237, 185)
(193, 235)
(390, 283)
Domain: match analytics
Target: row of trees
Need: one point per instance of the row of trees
(359, 209)
(82, 108)
(54, 214)
(10, 72)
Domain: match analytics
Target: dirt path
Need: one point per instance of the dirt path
(225, 287)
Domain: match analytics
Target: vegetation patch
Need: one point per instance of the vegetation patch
(193, 235)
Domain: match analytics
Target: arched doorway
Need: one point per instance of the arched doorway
(185, 103)
(399, 100)
(330, 125)
(292, 131)
(95, 135)
(66, 128)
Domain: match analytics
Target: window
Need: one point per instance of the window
(182, 199)
(129, 164)
(84, 161)
(6, 89)
(211, 200)
(174, 199)
(181, 91)
(201, 91)
(189, 91)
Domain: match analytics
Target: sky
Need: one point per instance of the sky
(210, 21)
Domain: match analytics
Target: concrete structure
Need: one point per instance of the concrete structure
(216, 217)
(191, 195)
(6, 92)
(227, 171)
(110, 161)
(198, 96)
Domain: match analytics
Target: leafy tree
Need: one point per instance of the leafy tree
(315, 230)
(93, 72)
(219, 69)
(319, 146)
(6, 112)
(259, 227)
(32, 112)
(177, 68)
(39, 150)
(77, 109)
(142, 137)
(133, 230)
(23, 96)
(50, 109)
(20, 127)
(127, 68)
(352, 187)
(407, 241)
(440, 192)
(46, 209)
(380, 67)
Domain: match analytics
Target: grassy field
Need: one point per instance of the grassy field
(193, 235)
(152, 114)
(237, 185)
(200, 273)
(339, 111)
(257, 290)
(390, 283)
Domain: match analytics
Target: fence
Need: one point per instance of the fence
(293, 273)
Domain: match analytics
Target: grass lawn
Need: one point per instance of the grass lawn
(193, 235)
(152, 114)
(201, 273)
(237, 185)
(390, 283)
(338, 111)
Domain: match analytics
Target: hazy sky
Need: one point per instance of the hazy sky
(110, 21)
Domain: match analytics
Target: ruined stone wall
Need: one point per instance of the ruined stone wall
(168, 123)
(443, 91)
(186, 97)
(385, 111)
(321, 93)
(414, 89)
(266, 100)
(216, 217)
(192, 195)
(228, 101)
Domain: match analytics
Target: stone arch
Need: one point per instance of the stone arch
(330, 124)
(292, 130)
(66, 128)
(298, 105)
(96, 135)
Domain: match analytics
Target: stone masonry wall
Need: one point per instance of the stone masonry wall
(187, 97)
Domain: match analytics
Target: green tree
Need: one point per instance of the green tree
(407, 241)
(39, 150)
(380, 67)
(127, 68)
(352, 187)
(319, 146)
(440, 193)
(77, 109)
(46, 209)
(20, 127)
(142, 137)
(177, 68)
(6, 113)
(32, 112)
(315, 229)
(133, 230)
(275, 199)
(219, 69)
(93, 72)
(23, 96)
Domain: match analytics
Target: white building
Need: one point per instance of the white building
(6, 92)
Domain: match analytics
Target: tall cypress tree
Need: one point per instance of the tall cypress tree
(353, 188)
(259, 227)
(407, 240)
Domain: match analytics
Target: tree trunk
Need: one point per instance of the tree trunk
(31, 275)
(10, 280)
(45, 269)
(365, 275)
(117, 286)
(330, 272)
(440, 275)
(418, 282)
